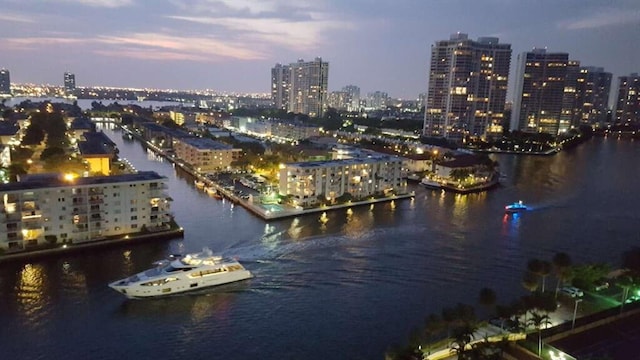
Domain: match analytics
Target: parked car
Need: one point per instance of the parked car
(601, 285)
(572, 291)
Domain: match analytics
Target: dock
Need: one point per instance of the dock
(265, 211)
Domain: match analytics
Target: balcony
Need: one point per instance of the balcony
(31, 225)
(96, 200)
(9, 218)
(80, 229)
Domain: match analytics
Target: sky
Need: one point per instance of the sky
(231, 45)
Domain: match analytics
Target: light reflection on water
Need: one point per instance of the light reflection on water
(320, 287)
(31, 290)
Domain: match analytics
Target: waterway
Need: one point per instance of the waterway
(85, 104)
(347, 288)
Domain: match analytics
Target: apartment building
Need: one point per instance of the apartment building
(205, 154)
(50, 209)
(310, 183)
(467, 87)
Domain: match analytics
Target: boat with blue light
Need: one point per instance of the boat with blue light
(516, 207)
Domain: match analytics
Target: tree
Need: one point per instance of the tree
(34, 135)
(434, 325)
(545, 270)
(332, 120)
(539, 321)
(487, 298)
(462, 336)
(530, 281)
(631, 259)
(626, 282)
(51, 152)
(15, 170)
(585, 276)
(561, 265)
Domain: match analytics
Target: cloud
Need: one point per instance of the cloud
(297, 25)
(16, 18)
(297, 35)
(248, 7)
(149, 46)
(195, 47)
(101, 3)
(602, 18)
(36, 43)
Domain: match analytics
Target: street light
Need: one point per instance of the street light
(575, 311)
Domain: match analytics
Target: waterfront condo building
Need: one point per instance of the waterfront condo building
(69, 83)
(5, 82)
(49, 210)
(546, 94)
(314, 182)
(305, 84)
(594, 85)
(467, 87)
(204, 154)
(628, 101)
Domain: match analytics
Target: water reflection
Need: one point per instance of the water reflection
(31, 290)
(294, 229)
(510, 225)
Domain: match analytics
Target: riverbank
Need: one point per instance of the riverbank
(264, 211)
(513, 152)
(70, 248)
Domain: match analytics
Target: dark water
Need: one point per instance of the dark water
(347, 289)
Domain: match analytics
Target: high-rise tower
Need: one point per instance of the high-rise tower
(69, 83)
(467, 87)
(545, 91)
(5, 82)
(594, 87)
(628, 102)
(308, 87)
(280, 83)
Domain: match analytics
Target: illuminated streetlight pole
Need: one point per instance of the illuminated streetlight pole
(575, 311)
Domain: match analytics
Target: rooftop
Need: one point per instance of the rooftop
(52, 180)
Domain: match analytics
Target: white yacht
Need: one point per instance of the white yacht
(430, 183)
(189, 272)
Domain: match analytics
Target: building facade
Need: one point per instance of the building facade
(46, 209)
(69, 83)
(377, 100)
(308, 87)
(467, 87)
(594, 88)
(205, 154)
(339, 100)
(315, 182)
(280, 83)
(628, 100)
(5, 82)
(539, 103)
(353, 97)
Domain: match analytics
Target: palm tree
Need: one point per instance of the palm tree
(530, 281)
(626, 282)
(433, 326)
(462, 336)
(539, 321)
(545, 270)
(487, 298)
(561, 265)
(535, 267)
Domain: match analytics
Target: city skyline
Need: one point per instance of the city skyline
(232, 45)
